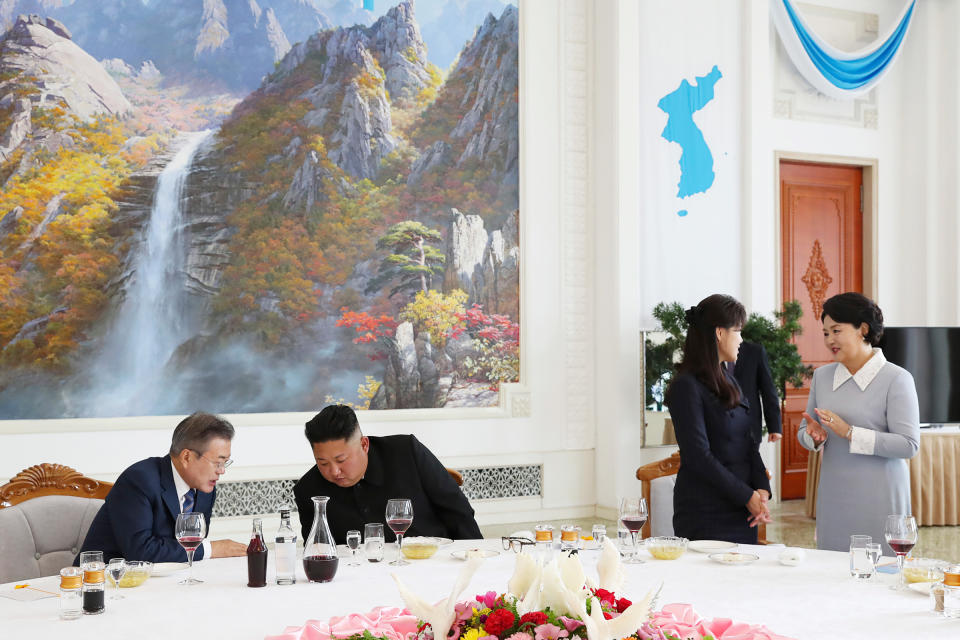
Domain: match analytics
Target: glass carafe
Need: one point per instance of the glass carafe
(319, 549)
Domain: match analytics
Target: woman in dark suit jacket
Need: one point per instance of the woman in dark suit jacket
(722, 487)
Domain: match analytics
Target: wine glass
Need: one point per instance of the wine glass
(399, 517)
(115, 569)
(190, 531)
(901, 535)
(353, 543)
(633, 515)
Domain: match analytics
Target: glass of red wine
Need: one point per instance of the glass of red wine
(633, 515)
(901, 535)
(399, 517)
(190, 531)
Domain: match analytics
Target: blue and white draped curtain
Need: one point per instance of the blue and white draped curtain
(838, 74)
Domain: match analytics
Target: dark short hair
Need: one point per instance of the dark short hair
(335, 422)
(856, 309)
(196, 430)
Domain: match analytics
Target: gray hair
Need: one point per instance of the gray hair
(196, 430)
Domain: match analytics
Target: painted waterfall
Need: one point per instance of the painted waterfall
(257, 206)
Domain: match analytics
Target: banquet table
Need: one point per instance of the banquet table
(816, 599)
(934, 478)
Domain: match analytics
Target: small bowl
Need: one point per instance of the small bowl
(137, 573)
(923, 569)
(666, 547)
(420, 547)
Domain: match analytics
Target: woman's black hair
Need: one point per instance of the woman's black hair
(856, 309)
(701, 357)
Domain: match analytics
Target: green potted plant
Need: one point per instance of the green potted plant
(775, 335)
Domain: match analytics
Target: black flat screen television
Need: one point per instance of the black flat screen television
(932, 355)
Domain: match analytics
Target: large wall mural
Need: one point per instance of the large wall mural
(257, 205)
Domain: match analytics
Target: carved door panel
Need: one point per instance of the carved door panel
(822, 254)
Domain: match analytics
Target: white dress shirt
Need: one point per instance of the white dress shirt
(182, 489)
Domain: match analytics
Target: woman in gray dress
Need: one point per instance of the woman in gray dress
(863, 414)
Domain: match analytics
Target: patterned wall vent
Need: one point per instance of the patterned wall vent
(490, 483)
(258, 497)
(253, 497)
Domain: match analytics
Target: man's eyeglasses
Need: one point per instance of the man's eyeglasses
(516, 543)
(221, 465)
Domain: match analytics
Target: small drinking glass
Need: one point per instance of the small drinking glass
(874, 553)
(599, 533)
(860, 566)
(190, 529)
(901, 534)
(89, 557)
(353, 543)
(373, 541)
(116, 569)
(399, 514)
(625, 543)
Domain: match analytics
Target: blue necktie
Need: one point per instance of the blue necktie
(188, 501)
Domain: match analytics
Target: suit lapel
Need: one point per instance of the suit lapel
(168, 487)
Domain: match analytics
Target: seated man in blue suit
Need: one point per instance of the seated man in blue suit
(137, 519)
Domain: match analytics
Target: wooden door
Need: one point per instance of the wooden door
(821, 224)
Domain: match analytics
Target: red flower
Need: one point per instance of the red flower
(499, 621)
(604, 596)
(607, 615)
(536, 617)
(622, 605)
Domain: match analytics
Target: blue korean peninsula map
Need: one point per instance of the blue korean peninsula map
(696, 161)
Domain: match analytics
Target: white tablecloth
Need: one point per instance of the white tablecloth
(817, 599)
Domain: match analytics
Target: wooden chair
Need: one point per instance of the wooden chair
(667, 467)
(45, 512)
(51, 480)
(650, 472)
(456, 475)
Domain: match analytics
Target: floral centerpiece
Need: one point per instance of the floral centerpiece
(551, 601)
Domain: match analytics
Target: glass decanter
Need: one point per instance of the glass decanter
(320, 550)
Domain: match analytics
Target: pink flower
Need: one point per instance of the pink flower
(549, 632)
(519, 635)
(572, 624)
(464, 610)
(488, 599)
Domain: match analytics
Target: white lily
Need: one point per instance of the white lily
(442, 614)
(609, 568)
(622, 626)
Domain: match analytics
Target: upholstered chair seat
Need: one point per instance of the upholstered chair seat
(39, 537)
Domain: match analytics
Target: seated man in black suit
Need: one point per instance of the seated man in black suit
(137, 519)
(752, 371)
(361, 473)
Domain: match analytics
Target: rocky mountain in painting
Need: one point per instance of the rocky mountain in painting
(215, 45)
(354, 154)
(41, 67)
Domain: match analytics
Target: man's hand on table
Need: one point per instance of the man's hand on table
(227, 549)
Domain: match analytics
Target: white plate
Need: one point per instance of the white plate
(711, 546)
(921, 587)
(161, 569)
(733, 558)
(484, 553)
(444, 541)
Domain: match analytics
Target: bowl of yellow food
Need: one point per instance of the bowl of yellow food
(923, 569)
(137, 573)
(666, 547)
(420, 547)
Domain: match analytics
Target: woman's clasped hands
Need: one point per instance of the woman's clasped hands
(828, 419)
(759, 508)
